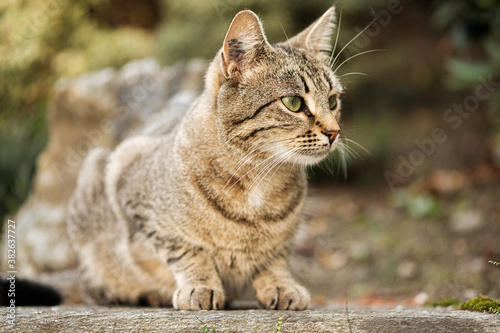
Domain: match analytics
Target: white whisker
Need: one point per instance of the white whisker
(348, 151)
(357, 144)
(336, 38)
(289, 45)
(343, 162)
(290, 154)
(293, 166)
(247, 158)
(262, 175)
(352, 40)
(261, 172)
(354, 56)
(359, 73)
(269, 160)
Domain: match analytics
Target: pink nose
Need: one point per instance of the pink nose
(332, 135)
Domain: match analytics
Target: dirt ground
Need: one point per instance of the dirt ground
(404, 247)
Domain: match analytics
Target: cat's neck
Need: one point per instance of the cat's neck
(255, 187)
(226, 171)
(221, 164)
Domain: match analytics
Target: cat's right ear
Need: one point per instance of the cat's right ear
(244, 41)
(317, 37)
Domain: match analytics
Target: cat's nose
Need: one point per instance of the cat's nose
(332, 135)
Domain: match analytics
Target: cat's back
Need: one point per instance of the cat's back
(167, 119)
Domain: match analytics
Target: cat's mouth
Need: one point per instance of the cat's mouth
(310, 156)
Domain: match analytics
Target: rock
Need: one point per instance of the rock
(421, 298)
(407, 269)
(98, 109)
(105, 319)
(466, 222)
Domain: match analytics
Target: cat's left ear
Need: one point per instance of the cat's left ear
(244, 41)
(317, 36)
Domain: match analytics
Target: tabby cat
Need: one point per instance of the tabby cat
(191, 217)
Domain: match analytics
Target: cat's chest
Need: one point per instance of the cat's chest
(237, 267)
(256, 199)
(248, 201)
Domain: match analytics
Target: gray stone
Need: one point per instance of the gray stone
(118, 319)
(95, 109)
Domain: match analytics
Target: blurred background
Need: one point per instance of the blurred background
(417, 210)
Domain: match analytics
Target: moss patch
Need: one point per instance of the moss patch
(445, 302)
(482, 304)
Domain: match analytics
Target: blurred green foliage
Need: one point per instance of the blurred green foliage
(194, 28)
(41, 42)
(445, 302)
(473, 28)
(21, 143)
(47, 39)
(401, 95)
(418, 206)
(54, 38)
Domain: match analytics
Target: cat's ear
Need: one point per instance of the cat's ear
(317, 36)
(244, 41)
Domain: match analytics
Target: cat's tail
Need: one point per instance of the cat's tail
(22, 292)
(45, 290)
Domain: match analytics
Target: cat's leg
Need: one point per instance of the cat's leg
(277, 290)
(108, 270)
(199, 286)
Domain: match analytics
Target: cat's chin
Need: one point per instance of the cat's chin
(311, 159)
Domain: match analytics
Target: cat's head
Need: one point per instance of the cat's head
(278, 101)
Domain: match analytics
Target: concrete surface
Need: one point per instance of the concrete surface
(120, 319)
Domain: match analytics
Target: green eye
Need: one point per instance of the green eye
(293, 103)
(332, 102)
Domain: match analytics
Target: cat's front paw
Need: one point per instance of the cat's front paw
(287, 296)
(199, 297)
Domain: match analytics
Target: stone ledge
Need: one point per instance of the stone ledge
(119, 319)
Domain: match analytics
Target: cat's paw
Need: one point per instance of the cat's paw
(199, 297)
(287, 296)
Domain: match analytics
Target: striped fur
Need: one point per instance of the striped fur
(191, 217)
